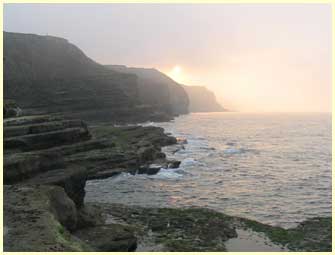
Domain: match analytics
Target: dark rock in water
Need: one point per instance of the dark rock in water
(158, 164)
(107, 173)
(173, 163)
(181, 140)
(108, 238)
(149, 169)
(140, 146)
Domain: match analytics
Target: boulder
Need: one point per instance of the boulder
(36, 218)
(173, 163)
(72, 179)
(63, 208)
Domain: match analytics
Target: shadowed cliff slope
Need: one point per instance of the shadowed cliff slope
(157, 89)
(49, 74)
(202, 100)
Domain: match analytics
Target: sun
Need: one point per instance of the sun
(176, 73)
(176, 70)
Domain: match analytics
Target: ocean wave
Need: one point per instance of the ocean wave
(234, 151)
(188, 162)
(168, 174)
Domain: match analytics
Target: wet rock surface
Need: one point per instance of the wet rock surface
(313, 234)
(169, 229)
(201, 229)
(109, 237)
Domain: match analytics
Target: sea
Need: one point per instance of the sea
(271, 167)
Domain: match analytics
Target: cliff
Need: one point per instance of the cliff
(202, 100)
(157, 89)
(46, 74)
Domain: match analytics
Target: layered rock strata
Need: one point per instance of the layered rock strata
(47, 161)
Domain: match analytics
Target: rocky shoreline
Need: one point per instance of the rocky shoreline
(47, 161)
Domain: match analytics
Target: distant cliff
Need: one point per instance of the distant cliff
(49, 74)
(157, 89)
(202, 100)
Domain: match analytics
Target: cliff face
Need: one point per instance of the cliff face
(202, 100)
(49, 74)
(158, 90)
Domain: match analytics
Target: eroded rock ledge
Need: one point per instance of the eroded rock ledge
(47, 161)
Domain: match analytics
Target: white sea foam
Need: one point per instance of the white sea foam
(167, 174)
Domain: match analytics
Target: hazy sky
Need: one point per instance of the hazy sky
(256, 57)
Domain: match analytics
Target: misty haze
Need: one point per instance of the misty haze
(167, 127)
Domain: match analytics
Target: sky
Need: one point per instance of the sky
(255, 57)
